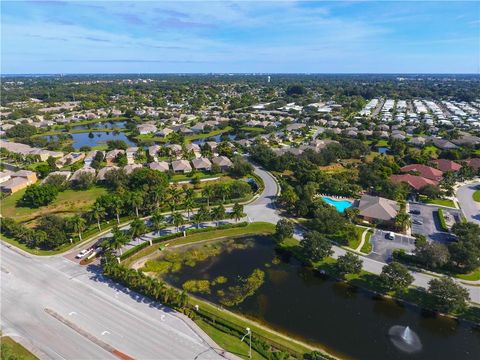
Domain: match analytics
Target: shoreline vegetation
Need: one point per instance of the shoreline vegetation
(364, 280)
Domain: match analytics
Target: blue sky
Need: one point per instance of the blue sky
(220, 36)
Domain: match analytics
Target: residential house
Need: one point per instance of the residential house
(65, 174)
(144, 129)
(162, 166)
(222, 162)
(69, 159)
(131, 167)
(416, 182)
(164, 132)
(85, 170)
(112, 155)
(181, 166)
(131, 152)
(5, 175)
(446, 165)
(202, 164)
(424, 170)
(103, 171)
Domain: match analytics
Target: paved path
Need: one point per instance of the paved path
(470, 208)
(362, 242)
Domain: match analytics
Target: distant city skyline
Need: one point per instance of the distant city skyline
(42, 37)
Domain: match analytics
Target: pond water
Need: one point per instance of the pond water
(99, 138)
(100, 125)
(346, 321)
(383, 150)
(216, 138)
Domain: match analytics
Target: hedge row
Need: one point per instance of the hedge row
(441, 218)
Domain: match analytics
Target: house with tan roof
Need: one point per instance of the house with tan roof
(202, 164)
(181, 166)
(222, 162)
(162, 166)
(376, 209)
(103, 171)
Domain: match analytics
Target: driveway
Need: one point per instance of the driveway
(430, 226)
(382, 248)
(470, 208)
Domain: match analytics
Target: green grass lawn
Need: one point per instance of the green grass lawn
(200, 174)
(252, 228)
(14, 350)
(68, 201)
(382, 143)
(431, 150)
(442, 202)
(252, 129)
(367, 246)
(353, 243)
(471, 276)
(476, 196)
(230, 343)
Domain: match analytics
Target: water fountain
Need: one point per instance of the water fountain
(405, 339)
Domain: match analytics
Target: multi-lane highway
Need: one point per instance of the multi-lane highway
(70, 312)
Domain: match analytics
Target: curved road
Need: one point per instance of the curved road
(470, 208)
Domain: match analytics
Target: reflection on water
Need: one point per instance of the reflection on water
(336, 316)
(101, 125)
(98, 138)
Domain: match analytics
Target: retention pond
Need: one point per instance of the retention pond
(346, 321)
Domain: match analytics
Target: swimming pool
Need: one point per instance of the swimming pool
(340, 205)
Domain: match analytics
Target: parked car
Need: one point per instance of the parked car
(82, 253)
(418, 221)
(390, 235)
(415, 212)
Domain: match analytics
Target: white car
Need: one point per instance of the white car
(83, 253)
(391, 236)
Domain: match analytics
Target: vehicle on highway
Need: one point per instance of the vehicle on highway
(390, 235)
(83, 253)
(415, 212)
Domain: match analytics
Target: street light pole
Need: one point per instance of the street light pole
(249, 333)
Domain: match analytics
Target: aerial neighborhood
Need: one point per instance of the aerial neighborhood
(339, 175)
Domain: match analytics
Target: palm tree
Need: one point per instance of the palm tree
(237, 212)
(402, 220)
(225, 190)
(78, 224)
(218, 213)
(118, 239)
(207, 192)
(174, 197)
(177, 220)
(188, 203)
(98, 212)
(158, 195)
(117, 204)
(158, 220)
(136, 198)
(137, 228)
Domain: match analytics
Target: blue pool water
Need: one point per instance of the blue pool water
(340, 205)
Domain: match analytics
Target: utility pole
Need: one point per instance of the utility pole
(249, 334)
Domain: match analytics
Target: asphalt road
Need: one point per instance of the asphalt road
(470, 208)
(103, 311)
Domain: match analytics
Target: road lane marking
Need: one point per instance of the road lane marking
(106, 332)
(88, 336)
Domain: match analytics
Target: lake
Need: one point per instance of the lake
(346, 321)
(99, 138)
(216, 138)
(100, 125)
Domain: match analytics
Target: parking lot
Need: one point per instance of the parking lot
(382, 248)
(427, 223)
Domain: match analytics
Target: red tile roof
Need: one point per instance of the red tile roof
(447, 165)
(424, 170)
(417, 182)
(474, 163)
